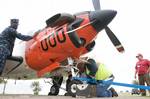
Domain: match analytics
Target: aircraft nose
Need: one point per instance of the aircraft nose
(101, 18)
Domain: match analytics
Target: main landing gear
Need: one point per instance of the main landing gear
(71, 85)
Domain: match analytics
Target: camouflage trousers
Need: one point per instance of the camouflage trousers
(4, 53)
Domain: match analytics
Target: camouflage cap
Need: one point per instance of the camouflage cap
(14, 20)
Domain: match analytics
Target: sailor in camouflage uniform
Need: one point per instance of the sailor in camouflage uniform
(7, 40)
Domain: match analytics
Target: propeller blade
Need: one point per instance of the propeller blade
(114, 40)
(96, 4)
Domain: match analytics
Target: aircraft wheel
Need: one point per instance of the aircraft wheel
(54, 90)
(72, 87)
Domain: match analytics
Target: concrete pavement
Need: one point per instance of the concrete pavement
(63, 97)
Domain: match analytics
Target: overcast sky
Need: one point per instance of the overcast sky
(131, 26)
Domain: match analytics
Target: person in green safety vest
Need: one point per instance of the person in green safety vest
(102, 73)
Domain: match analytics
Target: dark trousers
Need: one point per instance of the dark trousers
(103, 91)
(144, 78)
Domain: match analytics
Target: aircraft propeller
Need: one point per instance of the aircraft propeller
(111, 35)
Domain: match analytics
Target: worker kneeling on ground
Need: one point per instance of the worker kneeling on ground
(102, 73)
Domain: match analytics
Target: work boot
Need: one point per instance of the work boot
(114, 93)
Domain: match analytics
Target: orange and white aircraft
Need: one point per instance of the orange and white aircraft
(66, 37)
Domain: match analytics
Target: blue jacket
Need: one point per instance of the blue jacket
(8, 36)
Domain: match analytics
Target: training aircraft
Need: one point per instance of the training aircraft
(65, 38)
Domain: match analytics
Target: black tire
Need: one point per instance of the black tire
(72, 87)
(54, 90)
